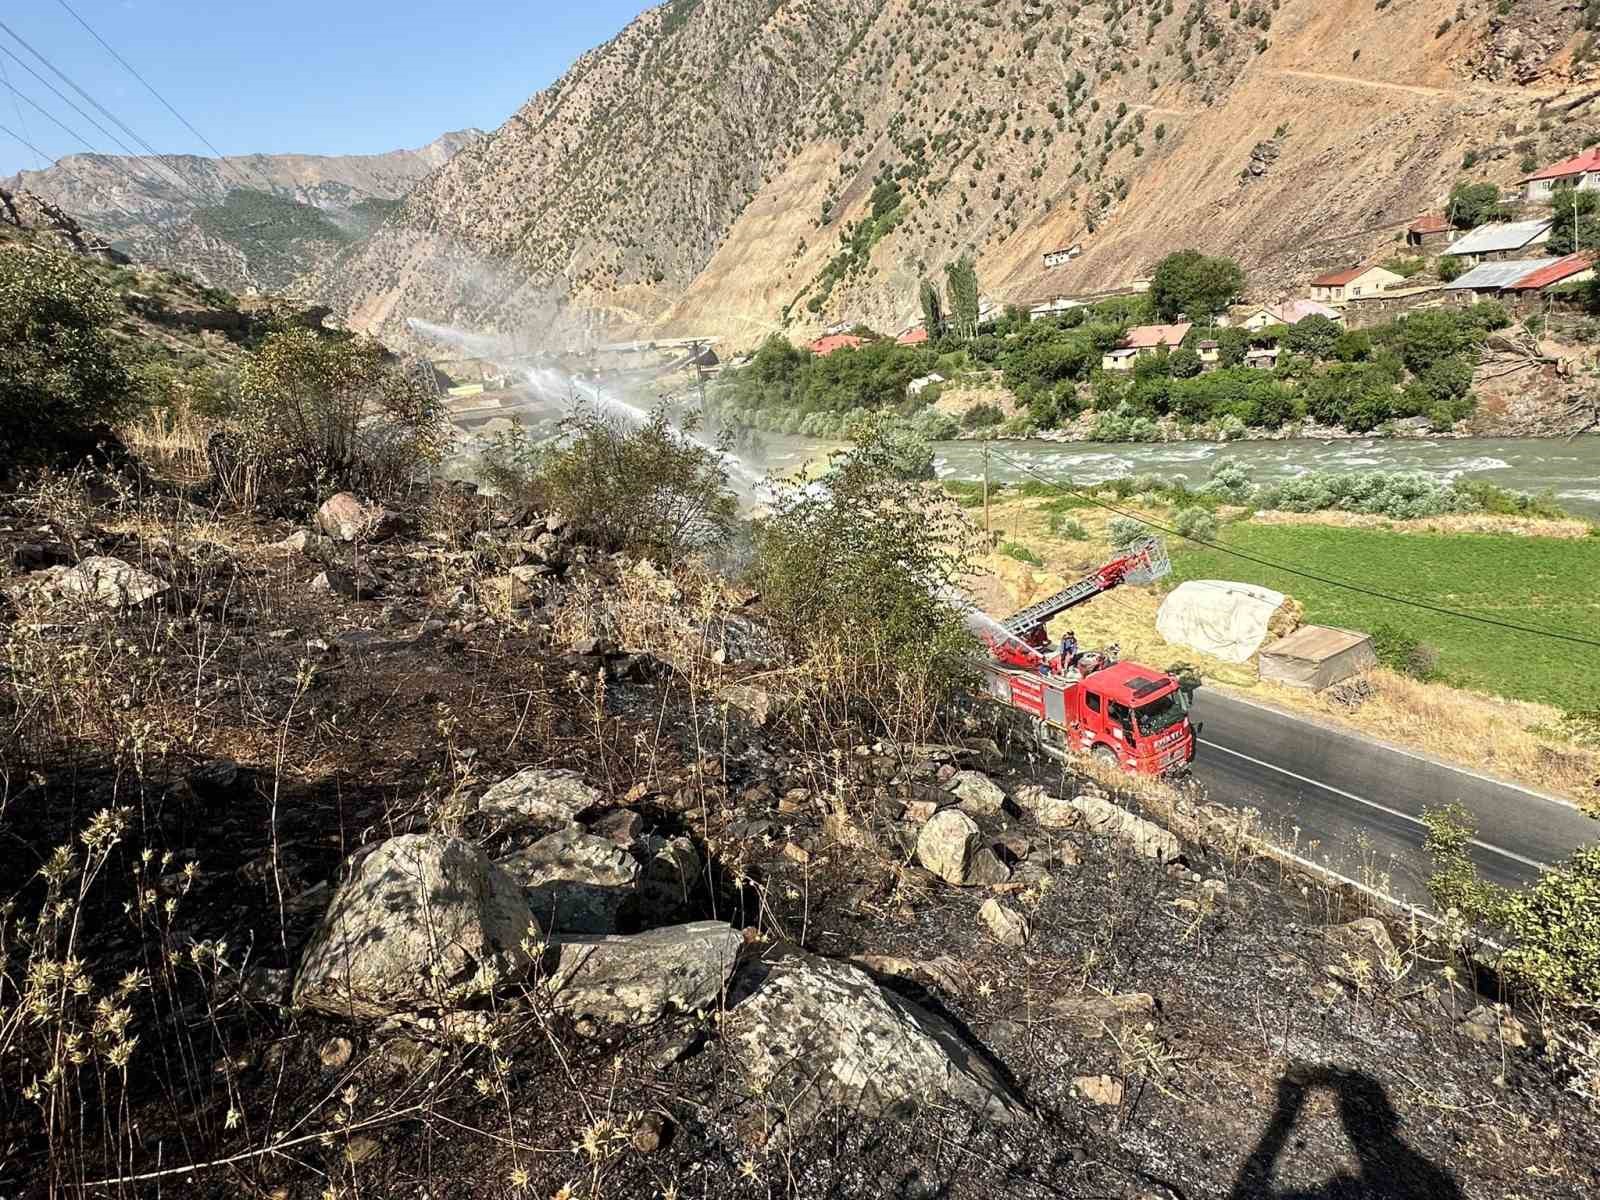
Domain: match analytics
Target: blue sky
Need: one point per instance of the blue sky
(331, 77)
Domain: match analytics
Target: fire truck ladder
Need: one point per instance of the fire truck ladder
(1145, 563)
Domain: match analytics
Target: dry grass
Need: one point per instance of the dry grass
(171, 441)
(1450, 523)
(1488, 733)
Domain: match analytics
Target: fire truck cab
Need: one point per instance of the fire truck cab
(1126, 715)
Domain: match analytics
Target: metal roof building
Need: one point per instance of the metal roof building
(1502, 238)
(1492, 276)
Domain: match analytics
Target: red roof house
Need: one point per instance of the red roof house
(1150, 337)
(913, 337)
(1572, 268)
(1429, 223)
(825, 346)
(1581, 170)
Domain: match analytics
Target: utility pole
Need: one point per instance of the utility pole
(987, 531)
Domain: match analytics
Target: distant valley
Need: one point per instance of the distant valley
(256, 222)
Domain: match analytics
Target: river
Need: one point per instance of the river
(1568, 469)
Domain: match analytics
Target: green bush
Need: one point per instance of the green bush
(1063, 526)
(1189, 283)
(1230, 482)
(1397, 494)
(645, 489)
(1400, 651)
(981, 416)
(1021, 553)
(1126, 531)
(1449, 267)
(1551, 928)
(1196, 523)
(61, 385)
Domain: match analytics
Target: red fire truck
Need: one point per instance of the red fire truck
(1122, 713)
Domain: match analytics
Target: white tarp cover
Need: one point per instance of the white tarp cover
(1222, 619)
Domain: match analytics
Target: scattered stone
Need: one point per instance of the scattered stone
(112, 582)
(650, 1134)
(635, 980)
(336, 582)
(538, 796)
(1013, 847)
(980, 795)
(795, 800)
(796, 854)
(1099, 1089)
(815, 1035)
(756, 703)
(1057, 812)
(672, 869)
(921, 811)
(620, 825)
(950, 845)
(358, 1149)
(344, 518)
(575, 882)
(336, 1053)
(1103, 817)
(1494, 1025)
(1214, 889)
(1029, 797)
(1366, 937)
(1091, 1013)
(424, 921)
(1010, 928)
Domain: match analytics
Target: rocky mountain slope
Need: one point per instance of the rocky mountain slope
(715, 167)
(245, 222)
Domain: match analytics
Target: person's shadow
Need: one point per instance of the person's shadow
(1388, 1167)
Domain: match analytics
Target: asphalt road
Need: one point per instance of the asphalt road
(1358, 803)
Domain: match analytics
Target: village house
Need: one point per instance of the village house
(1430, 232)
(838, 327)
(1582, 171)
(1142, 341)
(1261, 358)
(1338, 286)
(1574, 268)
(1287, 312)
(1053, 308)
(1523, 276)
(1210, 355)
(829, 343)
(1060, 258)
(922, 383)
(1502, 241)
(915, 336)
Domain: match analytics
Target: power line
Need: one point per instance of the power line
(109, 115)
(5, 76)
(69, 171)
(70, 132)
(1339, 583)
(222, 160)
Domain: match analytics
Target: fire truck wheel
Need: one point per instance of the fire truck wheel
(1105, 756)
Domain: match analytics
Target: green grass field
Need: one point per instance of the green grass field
(1544, 583)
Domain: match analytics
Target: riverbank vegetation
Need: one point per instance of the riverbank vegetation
(1216, 384)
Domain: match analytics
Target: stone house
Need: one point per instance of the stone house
(1430, 232)
(1502, 241)
(1060, 258)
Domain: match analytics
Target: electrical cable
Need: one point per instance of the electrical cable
(68, 170)
(222, 159)
(1391, 597)
(5, 77)
(151, 151)
(73, 133)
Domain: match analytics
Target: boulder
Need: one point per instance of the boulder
(1099, 1089)
(1365, 937)
(1493, 1025)
(110, 581)
(537, 796)
(424, 921)
(1010, 928)
(622, 826)
(756, 703)
(980, 795)
(638, 979)
(1103, 817)
(813, 1036)
(951, 846)
(344, 518)
(575, 882)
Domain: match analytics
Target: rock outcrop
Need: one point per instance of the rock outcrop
(639, 979)
(575, 882)
(424, 921)
(538, 796)
(813, 1035)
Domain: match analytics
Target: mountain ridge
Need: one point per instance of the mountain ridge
(712, 168)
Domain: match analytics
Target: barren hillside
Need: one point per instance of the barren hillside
(250, 221)
(715, 168)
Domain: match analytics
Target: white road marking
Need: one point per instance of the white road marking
(1383, 808)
